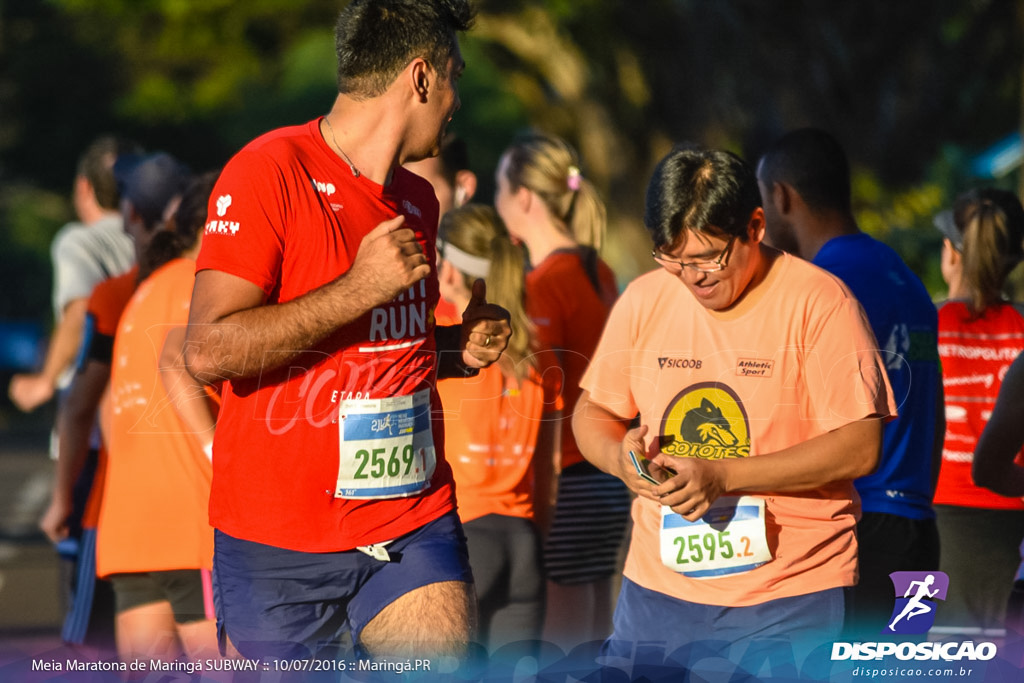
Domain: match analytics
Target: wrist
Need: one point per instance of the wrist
(617, 460)
(49, 376)
(722, 473)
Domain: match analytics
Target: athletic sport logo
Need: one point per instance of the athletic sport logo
(706, 420)
(916, 595)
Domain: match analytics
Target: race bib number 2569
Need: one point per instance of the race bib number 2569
(386, 448)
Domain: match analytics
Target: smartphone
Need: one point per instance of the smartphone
(648, 471)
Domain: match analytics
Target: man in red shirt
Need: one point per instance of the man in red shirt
(314, 299)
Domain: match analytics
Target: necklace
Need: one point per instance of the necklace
(355, 171)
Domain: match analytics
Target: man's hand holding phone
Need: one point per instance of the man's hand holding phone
(640, 474)
(648, 471)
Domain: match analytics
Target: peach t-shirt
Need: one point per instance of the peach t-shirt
(792, 361)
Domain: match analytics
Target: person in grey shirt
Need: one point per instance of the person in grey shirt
(84, 254)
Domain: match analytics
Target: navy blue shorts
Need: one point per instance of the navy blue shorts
(286, 604)
(654, 630)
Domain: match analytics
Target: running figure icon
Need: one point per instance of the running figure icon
(915, 606)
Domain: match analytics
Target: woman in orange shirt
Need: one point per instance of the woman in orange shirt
(549, 206)
(501, 429)
(154, 542)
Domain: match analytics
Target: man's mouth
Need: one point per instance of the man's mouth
(705, 289)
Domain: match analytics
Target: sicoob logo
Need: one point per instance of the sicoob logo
(707, 421)
(916, 592)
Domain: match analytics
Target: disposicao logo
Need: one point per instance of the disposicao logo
(916, 595)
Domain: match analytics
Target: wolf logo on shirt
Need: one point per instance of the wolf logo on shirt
(706, 424)
(706, 420)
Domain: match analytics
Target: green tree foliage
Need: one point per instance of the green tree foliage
(899, 83)
(911, 88)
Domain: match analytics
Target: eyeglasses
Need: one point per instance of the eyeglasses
(713, 266)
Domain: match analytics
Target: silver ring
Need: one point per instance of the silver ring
(487, 342)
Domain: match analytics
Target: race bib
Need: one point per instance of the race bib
(728, 539)
(386, 448)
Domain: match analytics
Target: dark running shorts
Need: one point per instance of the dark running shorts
(188, 590)
(591, 516)
(286, 604)
(650, 627)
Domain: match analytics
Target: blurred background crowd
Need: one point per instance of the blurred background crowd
(926, 98)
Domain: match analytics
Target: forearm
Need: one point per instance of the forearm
(259, 338)
(846, 453)
(187, 395)
(1001, 476)
(842, 454)
(599, 435)
(233, 333)
(67, 338)
(75, 425)
(994, 464)
(545, 460)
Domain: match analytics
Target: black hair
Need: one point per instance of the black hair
(814, 163)
(376, 39)
(710, 191)
(454, 157)
(184, 228)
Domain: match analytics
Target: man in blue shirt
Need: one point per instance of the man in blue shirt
(804, 180)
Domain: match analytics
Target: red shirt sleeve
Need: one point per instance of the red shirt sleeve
(246, 221)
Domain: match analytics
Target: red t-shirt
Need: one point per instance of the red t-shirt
(569, 315)
(288, 215)
(975, 356)
(109, 299)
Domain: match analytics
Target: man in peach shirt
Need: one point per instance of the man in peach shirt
(760, 397)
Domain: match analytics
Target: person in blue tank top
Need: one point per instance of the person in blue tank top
(804, 179)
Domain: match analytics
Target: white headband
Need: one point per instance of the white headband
(473, 266)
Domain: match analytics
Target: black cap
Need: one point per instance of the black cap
(946, 224)
(150, 182)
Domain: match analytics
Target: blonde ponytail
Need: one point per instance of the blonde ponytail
(992, 225)
(550, 168)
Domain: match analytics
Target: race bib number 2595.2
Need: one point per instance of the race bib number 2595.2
(728, 539)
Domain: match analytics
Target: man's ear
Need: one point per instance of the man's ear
(83, 187)
(782, 198)
(756, 226)
(465, 187)
(420, 75)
